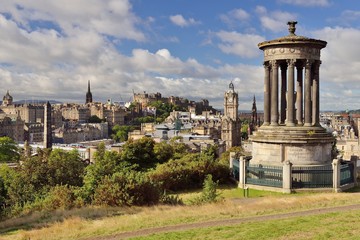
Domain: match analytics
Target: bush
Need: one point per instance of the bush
(170, 199)
(126, 188)
(209, 193)
(188, 172)
(59, 197)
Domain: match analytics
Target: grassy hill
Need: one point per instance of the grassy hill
(91, 223)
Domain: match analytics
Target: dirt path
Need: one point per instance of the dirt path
(224, 222)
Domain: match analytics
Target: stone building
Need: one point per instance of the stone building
(111, 113)
(146, 98)
(81, 132)
(7, 99)
(12, 126)
(34, 132)
(230, 122)
(76, 112)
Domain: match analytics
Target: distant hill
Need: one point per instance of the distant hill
(36, 101)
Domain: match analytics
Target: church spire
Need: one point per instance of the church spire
(254, 117)
(88, 94)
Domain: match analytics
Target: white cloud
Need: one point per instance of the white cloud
(179, 20)
(307, 3)
(235, 17)
(276, 20)
(243, 45)
(341, 56)
(70, 16)
(339, 71)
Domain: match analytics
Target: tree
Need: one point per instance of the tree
(163, 152)
(106, 164)
(65, 168)
(95, 119)
(139, 152)
(209, 193)
(180, 148)
(120, 133)
(9, 151)
(244, 130)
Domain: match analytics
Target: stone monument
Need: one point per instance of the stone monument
(291, 131)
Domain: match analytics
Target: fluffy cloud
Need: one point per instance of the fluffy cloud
(339, 68)
(235, 17)
(239, 44)
(179, 20)
(70, 16)
(274, 21)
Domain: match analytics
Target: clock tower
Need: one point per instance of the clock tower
(230, 123)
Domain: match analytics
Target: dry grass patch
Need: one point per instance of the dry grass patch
(76, 227)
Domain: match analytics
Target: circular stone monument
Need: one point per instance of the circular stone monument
(291, 130)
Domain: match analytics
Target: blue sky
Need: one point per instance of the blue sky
(49, 49)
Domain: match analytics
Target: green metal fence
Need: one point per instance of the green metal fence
(312, 177)
(258, 174)
(346, 173)
(235, 169)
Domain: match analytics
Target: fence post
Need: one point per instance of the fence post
(354, 160)
(231, 157)
(287, 178)
(336, 174)
(242, 172)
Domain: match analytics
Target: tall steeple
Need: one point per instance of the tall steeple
(89, 94)
(254, 118)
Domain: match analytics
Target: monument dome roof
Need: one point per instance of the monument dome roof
(292, 39)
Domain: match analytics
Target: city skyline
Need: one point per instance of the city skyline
(50, 50)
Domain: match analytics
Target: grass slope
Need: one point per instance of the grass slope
(95, 222)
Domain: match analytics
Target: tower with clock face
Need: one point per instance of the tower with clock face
(230, 125)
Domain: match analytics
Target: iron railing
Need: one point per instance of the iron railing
(258, 174)
(312, 177)
(346, 173)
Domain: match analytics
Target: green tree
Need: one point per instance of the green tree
(180, 148)
(163, 152)
(65, 168)
(17, 189)
(120, 133)
(95, 119)
(244, 130)
(106, 164)
(139, 152)
(9, 151)
(209, 193)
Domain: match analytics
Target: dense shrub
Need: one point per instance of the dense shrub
(188, 172)
(126, 188)
(59, 197)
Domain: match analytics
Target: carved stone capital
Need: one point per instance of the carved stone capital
(291, 62)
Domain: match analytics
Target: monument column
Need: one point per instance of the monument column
(274, 93)
(283, 68)
(290, 94)
(316, 100)
(307, 95)
(299, 93)
(267, 94)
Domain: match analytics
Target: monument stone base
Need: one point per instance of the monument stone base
(302, 146)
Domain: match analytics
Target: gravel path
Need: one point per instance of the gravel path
(224, 222)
